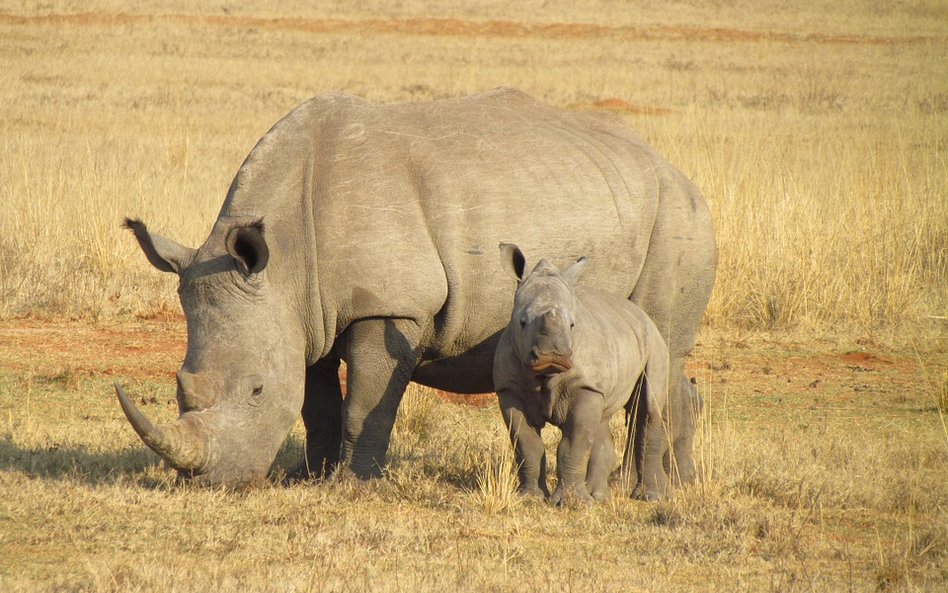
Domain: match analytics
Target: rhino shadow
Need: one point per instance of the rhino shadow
(58, 462)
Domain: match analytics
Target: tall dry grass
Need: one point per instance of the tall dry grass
(816, 132)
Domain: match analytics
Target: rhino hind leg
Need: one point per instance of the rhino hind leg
(687, 409)
(653, 475)
(635, 416)
(602, 460)
(645, 465)
(674, 288)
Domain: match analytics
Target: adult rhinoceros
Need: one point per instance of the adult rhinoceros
(369, 233)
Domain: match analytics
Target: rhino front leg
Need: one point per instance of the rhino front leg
(529, 451)
(601, 462)
(322, 417)
(381, 356)
(572, 455)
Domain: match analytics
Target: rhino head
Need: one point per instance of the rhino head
(240, 387)
(544, 309)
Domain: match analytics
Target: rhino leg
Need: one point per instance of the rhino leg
(529, 451)
(674, 288)
(322, 417)
(636, 416)
(686, 408)
(653, 480)
(602, 460)
(572, 455)
(381, 355)
(653, 399)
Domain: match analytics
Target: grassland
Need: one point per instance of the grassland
(818, 134)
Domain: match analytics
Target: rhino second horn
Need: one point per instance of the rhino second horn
(179, 443)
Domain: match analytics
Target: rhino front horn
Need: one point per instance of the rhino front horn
(180, 443)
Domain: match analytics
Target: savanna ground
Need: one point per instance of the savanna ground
(817, 133)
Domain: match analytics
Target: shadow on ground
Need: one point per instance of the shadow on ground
(58, 462)
(79, 464)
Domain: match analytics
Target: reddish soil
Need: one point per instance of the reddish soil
(458, 28)
(621, 106)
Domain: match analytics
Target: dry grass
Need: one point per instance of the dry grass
(817, 131)
(802, 489)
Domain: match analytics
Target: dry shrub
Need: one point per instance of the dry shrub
(497, 480)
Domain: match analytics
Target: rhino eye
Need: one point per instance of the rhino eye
(257, 390)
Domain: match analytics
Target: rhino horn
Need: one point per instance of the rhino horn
(180, 443)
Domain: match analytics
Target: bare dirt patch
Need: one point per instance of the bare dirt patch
(462, 28)
(130, 349)
(621, 106)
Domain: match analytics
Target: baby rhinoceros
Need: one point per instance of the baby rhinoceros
(572, 356)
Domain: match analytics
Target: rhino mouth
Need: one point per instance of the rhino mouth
(548, 365)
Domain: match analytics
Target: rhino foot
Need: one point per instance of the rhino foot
(640, 493)
(300, 473)
(533, 492)
(601, 494)
(571, 497)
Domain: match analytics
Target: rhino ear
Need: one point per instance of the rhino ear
(575, 271)
(164, 254)
(245, 243)
(512, 260)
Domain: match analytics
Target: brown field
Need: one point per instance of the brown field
(817, 132)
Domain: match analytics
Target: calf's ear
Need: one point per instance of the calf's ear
(164, 254)
(575, 271)
(512, 260)
(245, 243)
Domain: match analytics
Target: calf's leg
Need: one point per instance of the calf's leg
(572, 455)
(602, 460)
(529, 451)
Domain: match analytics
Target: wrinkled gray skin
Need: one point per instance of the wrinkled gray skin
(366, 233)
(572, 356)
